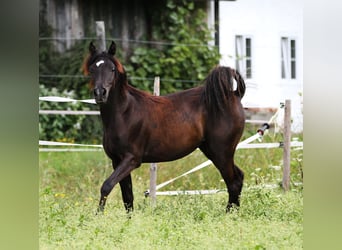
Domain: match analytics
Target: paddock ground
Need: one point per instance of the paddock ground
(268, 217)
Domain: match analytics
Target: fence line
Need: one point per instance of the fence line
(216, 191)
(240, 146)
(130, 77)
(50, 143)
(89, 112)
(94, 112)
(68, 112)
(69, 150)
(244, 144)
(128, 41)
(249, 84)
(64, 99)
(63, 76)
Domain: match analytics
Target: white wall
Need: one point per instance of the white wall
(265, 21)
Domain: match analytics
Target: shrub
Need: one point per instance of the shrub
(186, 55)
(58, 127)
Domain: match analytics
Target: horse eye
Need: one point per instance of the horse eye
(113, 69)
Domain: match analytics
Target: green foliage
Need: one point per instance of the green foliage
(61, 75)
(65, 127)
(71, 128)
(186, 55)
(64, 70)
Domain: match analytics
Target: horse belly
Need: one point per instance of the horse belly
(170, 155)
(169, 148)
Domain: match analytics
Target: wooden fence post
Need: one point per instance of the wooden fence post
(153, 167)
(101, 36)
(287, 146)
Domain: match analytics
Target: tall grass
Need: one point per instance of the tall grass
(267, 219)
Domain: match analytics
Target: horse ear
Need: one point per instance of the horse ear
(112, 49)
(92, 48)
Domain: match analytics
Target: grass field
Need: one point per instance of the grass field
(267, 219)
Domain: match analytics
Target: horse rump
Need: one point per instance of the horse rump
(219, 88)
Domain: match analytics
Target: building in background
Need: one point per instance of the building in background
(263, 39)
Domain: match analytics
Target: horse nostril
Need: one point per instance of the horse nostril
(99, 91)
(96, 92)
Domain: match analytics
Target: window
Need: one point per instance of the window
(288, 58)
(243, 50)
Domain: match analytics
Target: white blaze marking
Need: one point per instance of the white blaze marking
(234, 84)
(99, 63)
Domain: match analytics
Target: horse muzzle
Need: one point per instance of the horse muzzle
(100, 95)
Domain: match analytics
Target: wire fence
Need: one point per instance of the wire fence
(129, 41)
(147, 42)
(131, 78)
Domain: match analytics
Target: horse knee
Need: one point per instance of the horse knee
(106, 188)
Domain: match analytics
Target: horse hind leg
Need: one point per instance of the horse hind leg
(234, 181)
(231, 174)
(233, 177)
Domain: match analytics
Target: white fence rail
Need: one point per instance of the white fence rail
(246, 144)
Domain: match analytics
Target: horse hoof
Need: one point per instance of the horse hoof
(232, 207)
(100, 210)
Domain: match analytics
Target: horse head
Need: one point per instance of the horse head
(103, 71)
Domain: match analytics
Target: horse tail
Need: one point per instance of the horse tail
(220, 86)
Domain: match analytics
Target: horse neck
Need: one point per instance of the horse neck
(116, 103)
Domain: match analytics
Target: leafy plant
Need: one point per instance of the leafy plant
(64, 70)
(185, 55)
(63, 128)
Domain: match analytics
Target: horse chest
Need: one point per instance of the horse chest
(114, 145)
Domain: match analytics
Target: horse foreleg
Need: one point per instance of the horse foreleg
(127, 193)
(126, 188)
(120, 173)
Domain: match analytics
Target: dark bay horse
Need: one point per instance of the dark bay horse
(139, 127)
